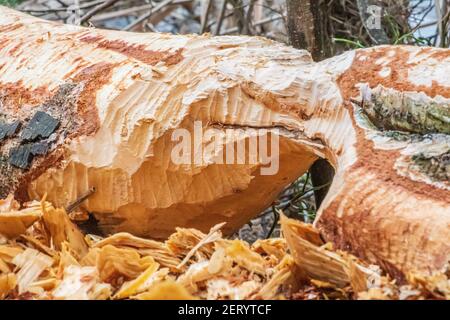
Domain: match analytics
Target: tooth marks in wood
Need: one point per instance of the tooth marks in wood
(41, 126)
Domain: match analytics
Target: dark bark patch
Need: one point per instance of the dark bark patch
(20, 156)
(8, 130)
(35, 124)
(39, 148)
(41, 126)
(23, 155)
(135, 51)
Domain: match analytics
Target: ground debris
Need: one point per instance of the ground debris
(48, 257)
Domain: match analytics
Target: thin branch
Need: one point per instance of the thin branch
(72, 206)
(147, 15)
(132, 10)
(206, 8)
(97, 9)
(220, 18)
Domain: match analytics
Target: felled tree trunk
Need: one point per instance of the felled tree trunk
(85, 108)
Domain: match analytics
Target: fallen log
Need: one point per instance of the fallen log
(83, 108)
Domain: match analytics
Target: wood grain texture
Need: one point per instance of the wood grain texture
(119, 96)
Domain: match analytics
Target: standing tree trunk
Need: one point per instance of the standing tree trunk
(307, 22)
(307, 29)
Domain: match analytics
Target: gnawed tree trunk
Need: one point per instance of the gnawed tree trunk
(85, 108)
(307, 27)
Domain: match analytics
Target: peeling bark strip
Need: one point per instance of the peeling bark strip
(92, 118)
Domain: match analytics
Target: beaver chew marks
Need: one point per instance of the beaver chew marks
(122, 97)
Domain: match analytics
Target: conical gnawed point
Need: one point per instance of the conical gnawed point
(137, 130)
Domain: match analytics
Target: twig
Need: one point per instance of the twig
(72, 206)
(276, 218)
(213, 235)
(129, 11)
(147, 15)
(151, 27)
(248, 18)
(258, 23)
(220, 18)
(97, 9)
(239, 14)
(206, 7)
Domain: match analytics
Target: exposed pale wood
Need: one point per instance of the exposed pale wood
(125, 93)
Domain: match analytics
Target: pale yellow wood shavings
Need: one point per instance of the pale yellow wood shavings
(54, 260)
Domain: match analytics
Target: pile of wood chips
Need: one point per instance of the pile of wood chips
(43, 255)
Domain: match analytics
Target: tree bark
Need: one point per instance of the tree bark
(84, 108)
(307, 29)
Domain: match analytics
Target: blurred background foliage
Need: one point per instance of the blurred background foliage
(420, 22)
